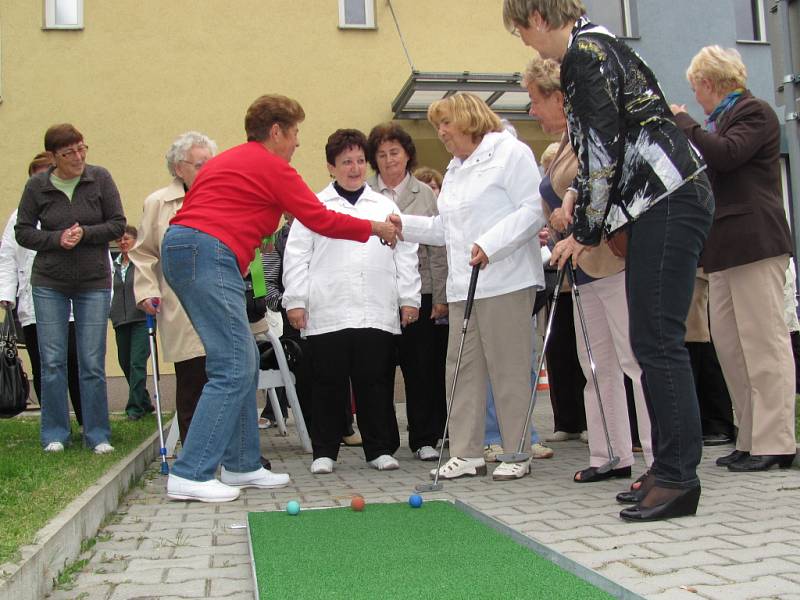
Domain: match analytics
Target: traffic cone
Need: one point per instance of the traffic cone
(544, 384)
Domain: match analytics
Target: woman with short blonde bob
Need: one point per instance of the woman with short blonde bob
(741, 144)
(489, 215)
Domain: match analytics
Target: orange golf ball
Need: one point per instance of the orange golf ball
(357, 503)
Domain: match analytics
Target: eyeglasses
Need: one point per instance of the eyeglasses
(67, 153)
(197, 165)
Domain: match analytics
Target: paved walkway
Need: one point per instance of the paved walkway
(743, 544)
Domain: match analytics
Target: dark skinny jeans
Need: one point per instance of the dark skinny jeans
(663, 251)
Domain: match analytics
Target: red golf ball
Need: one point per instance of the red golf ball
(357, 503)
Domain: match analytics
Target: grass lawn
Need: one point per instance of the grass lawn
(35, 486)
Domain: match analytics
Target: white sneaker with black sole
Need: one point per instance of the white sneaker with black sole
(384, 462)
(426, 453)
(260, 478)
(461, 467)
(179, 488)
(507, 470)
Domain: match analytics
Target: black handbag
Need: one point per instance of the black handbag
(14, 384)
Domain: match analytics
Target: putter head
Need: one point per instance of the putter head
(514, 457)
(609, 465)
(428, 487)
(614, 461)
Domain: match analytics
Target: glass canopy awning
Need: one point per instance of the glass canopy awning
(501, 91)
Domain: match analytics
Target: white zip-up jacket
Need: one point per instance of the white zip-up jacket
(490, 199)
(349, 285)
(16, 263)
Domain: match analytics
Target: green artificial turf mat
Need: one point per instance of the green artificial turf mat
(393, 551)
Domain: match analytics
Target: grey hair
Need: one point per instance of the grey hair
(185, 142)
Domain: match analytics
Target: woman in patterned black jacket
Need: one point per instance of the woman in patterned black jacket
(637, 174)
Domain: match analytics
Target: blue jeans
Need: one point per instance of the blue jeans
(492, 429)
(90, 309)
(663, 251)
(205, 276)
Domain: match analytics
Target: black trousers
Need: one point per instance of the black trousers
(190, 377)
(426, 408)
(716, 409)
(564, 372)
(365, 358)
(32, 345)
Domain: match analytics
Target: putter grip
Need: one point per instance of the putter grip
(473, 283)
(150, 319)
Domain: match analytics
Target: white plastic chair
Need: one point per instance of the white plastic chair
(283, 377)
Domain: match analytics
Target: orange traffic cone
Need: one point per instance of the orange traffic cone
(544, 384)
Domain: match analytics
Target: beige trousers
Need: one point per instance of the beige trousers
(752, 342)
(498, 348)
(606, 309)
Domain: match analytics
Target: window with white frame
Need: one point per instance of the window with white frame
(357, 14)
(63, 14)
(619, 16)
(750, 20)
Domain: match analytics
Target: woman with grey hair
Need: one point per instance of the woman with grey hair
(179, 342)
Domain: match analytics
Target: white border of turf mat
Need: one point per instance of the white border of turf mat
(558, 559)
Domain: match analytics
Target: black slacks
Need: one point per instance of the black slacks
(365, 357)
(716, 408)
(190, 377)
(426, 408)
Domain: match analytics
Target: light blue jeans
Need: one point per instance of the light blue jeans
(492, 430)
(205, 276)
(90, 308)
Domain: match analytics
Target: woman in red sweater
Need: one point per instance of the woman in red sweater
(236, 200)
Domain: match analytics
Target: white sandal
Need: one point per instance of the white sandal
(461, 467)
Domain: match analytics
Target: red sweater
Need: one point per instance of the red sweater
(239, 196)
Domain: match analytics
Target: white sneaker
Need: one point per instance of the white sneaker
(54, 447)
(322, 466)
(584, 436)
(103, 448)
(491, 452)
(561, 436)
(261, 479)
(212, 490)
(541, 451)
(507, 470)
(461, 467)
(384, 462)
(427, 453)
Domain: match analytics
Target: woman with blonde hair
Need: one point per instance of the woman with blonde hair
(601, 278)
(489, 215)
(741, 144)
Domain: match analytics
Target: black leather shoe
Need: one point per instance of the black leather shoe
(717, 439)
(731, 458)
(592, 474)
(762, 462)
(631, 497)
(682, 505)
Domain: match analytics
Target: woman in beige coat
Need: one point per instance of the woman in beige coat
(179, 342)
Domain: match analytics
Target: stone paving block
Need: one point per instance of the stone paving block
(768, 586)
(238, 548)
(97, 592)
(570, 546)
(667, 564)
(597, 558)
(689, 533)
(620, 528)
(768, 524)
(753, 539)
(189, 589)
(682, 548)
(149, 577)
(642, 536)
(675, 594)
(748, 555)
(678, 580)
(577, 533)
(190, 562)
(749, 571)
(230, 572)
(224, 587)
(230, 560)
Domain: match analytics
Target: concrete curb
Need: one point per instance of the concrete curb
(59, 542)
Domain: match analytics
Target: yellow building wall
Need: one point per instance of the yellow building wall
(141, 72)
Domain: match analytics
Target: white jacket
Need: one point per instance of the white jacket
(16, 263)
(490, 199)
(344, 284)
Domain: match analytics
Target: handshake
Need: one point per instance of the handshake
(389, 231)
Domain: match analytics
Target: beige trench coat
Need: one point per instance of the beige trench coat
(179, 341)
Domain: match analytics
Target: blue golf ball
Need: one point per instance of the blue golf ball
(293, 507)
(415, 500)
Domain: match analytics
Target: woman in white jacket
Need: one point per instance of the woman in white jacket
(349, 299)
(16, 263)
(489, 214)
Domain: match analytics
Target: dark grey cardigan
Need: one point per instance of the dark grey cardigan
(95, 205)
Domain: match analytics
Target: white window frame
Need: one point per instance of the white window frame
(369, 13)
(49, 20)
(761, 20)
